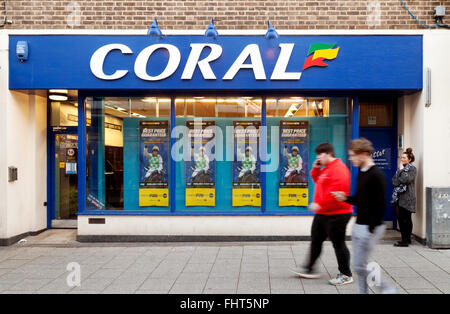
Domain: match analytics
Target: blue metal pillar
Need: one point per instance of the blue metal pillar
(81, 153)
(172, 181)
(355, 135)
(264, 154)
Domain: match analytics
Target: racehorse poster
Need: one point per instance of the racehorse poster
(293, 169)
(201, 165)
(246, 164)
(153, 163)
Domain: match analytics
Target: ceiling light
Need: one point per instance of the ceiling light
(57, 97)
(149, 99)
(58, 91)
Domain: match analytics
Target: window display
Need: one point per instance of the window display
(210, 155)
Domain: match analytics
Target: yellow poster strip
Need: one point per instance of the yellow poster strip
(246, 197)
(326, 54)
(153, 197)
(200, 197)
(293, 197)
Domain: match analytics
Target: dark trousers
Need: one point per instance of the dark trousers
(332, 227)
(405, 224)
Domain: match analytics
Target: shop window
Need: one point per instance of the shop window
(63, 107)
(220, 171)
(150, 107)
(295, 126)
(117, 153)
(291, 107)
(376, 114)
(218, 107)
(217, 155)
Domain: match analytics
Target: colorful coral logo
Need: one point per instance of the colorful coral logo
(321, 52)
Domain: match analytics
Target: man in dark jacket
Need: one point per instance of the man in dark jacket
(370, 204)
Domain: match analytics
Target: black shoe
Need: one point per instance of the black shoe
(401, 244)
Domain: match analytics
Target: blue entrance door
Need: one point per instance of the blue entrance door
(385, 145)
(63, 175)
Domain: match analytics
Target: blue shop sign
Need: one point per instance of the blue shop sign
(185, 62)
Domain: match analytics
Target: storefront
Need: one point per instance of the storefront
(188, 137)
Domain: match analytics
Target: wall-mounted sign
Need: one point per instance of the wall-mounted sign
(184, 62)
(372, 120)
(382, 158)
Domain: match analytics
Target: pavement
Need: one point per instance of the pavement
(48, 263)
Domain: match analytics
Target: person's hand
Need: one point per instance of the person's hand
(339, 196)
(314, 207)
(316, 164)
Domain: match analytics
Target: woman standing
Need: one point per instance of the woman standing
(404, 196)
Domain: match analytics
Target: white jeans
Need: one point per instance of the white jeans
(150, 172)
(363, 243)
(289, 171)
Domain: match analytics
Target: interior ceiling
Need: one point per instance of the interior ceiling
(141, 105)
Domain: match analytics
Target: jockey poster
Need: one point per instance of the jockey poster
(153, 163)
(246, 164)
(201, 165)
(293, 170)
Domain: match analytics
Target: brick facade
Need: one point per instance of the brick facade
(228, 14)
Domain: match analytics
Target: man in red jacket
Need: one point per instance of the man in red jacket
(331, 218)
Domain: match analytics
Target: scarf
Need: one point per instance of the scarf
(399, 189)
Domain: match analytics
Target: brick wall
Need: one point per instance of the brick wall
(228, 14)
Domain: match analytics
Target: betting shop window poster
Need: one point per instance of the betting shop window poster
(246, 164)
(154, 163)
(201, 165)
(293, 169)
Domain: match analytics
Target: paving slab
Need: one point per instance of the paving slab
(234, 267)
(157, 284)
(424, 291)
(222, 283)
(219, 291)
(198, 268)
(162, 291)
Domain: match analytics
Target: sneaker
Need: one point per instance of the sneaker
(340, 279)
(305, 273)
